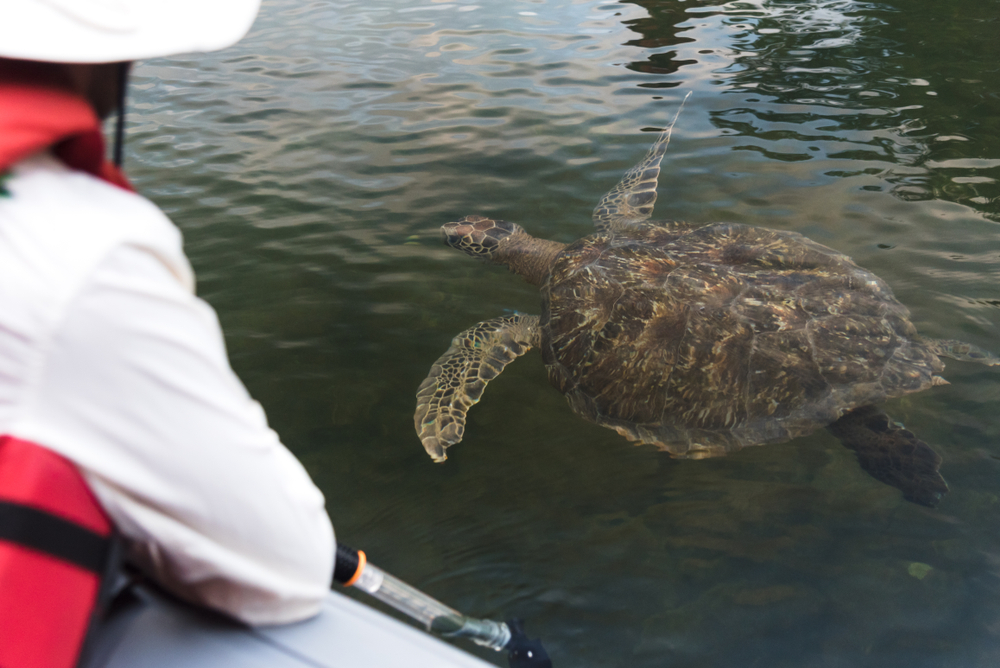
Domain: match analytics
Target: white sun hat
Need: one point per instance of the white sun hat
(106, 31)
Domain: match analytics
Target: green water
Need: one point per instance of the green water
(311, 166)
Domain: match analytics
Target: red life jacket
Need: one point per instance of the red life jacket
(55, 550)
(35, 117)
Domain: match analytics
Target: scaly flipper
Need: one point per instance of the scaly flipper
(458, 378)
(632, 200)
(892, 455)
(964, 352)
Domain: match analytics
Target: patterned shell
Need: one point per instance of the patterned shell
(702, 340)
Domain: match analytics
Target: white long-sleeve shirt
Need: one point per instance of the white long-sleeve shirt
(108, 358)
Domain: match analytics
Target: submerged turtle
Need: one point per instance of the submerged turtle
(699, 339)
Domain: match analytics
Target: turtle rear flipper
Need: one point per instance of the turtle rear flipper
(964, 352)
(458, 378)
(892, 454)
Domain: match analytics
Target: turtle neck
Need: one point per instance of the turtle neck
(34, 118)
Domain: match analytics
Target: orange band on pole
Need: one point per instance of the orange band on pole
(362, 560)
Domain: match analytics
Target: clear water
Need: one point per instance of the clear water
(311, 166)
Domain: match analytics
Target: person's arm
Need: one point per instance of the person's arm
(136, 388)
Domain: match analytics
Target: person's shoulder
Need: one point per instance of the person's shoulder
(69, 221)
(74, 204)
(58, 226)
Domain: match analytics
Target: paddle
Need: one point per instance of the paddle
(353, 570)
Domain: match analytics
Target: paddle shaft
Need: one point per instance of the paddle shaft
(352, 569)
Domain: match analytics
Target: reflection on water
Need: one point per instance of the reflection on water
(311, 167)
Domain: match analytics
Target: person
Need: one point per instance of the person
(107, 357)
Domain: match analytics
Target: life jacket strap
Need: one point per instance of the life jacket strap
(53, 535)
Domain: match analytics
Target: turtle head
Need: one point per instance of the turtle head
(478, 236)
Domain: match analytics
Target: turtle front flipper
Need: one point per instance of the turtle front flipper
(458, 378)
(632, 200)
(892, 455)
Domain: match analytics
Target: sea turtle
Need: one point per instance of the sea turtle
(699, 339)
